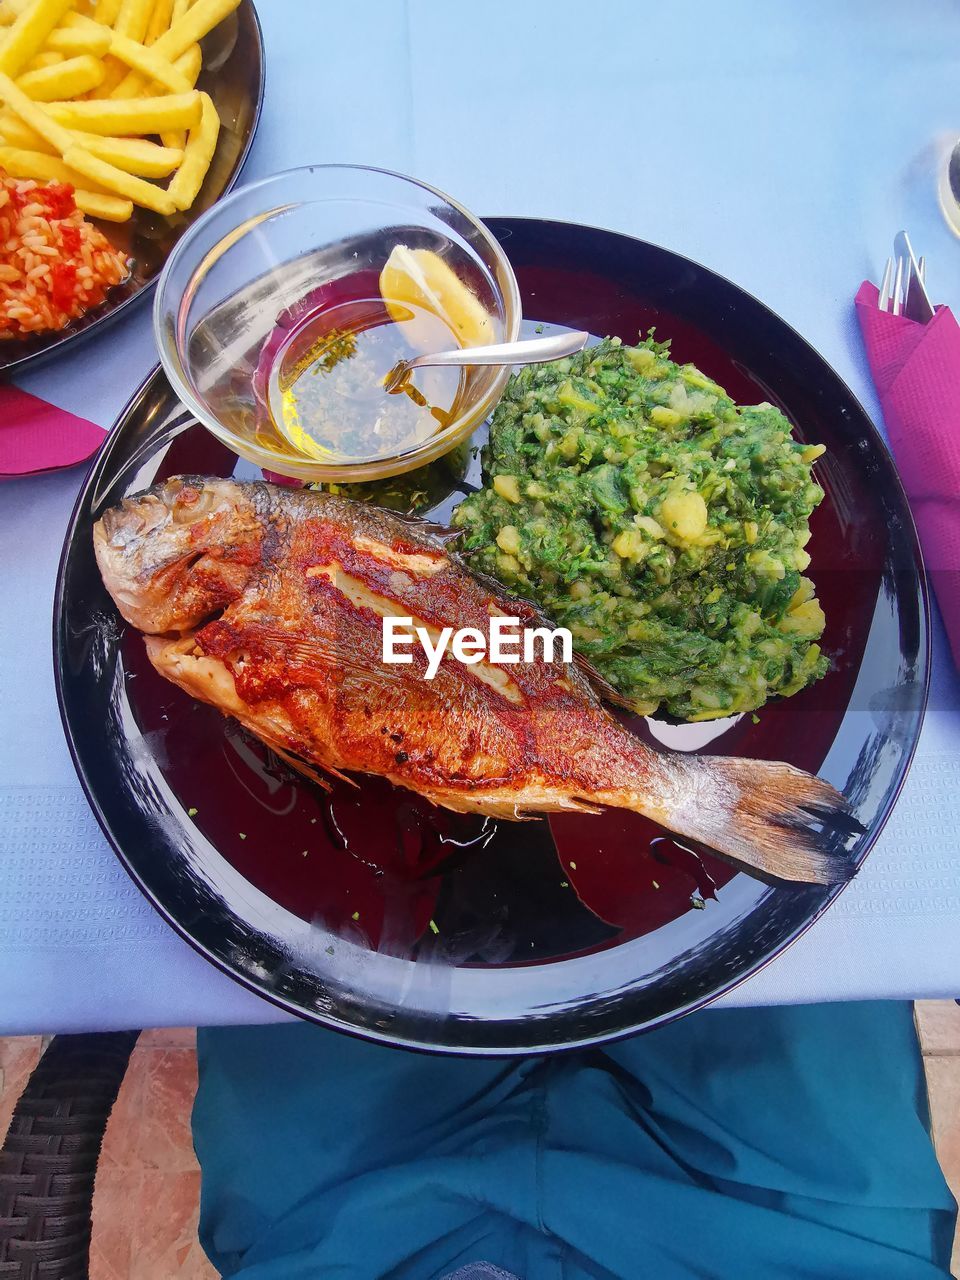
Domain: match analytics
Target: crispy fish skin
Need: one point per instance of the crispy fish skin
(268, 603)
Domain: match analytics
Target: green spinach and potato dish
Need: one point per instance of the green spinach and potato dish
(661, 523)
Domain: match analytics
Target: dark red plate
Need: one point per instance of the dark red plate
(370, 911)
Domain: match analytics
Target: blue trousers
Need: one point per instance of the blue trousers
(783, 1142)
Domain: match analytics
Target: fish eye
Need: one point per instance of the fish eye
(188, 504)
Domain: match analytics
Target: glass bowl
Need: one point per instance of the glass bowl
(250, 270)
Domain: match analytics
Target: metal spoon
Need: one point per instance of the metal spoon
(533, 351)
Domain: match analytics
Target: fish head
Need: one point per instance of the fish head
(178, 553)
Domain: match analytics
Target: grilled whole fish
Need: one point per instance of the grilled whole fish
(268, 603)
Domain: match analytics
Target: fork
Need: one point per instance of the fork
(903, 287)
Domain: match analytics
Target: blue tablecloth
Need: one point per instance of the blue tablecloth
(783, 145)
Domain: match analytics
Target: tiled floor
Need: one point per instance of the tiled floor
(145, 1202)
(148, 1160)
(938, 1023)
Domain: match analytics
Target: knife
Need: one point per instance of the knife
(916, 304)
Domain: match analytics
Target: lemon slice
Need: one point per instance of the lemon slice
(421, 278)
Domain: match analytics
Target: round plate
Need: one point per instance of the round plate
(366, 909)
(233, 75)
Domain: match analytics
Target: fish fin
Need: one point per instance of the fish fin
(175, 661)
(601, 686)
(776, 821)
(504, 804)
(307, 769)
(441, 534)
(564, 804)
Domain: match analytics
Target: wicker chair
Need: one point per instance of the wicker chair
(49, 1157)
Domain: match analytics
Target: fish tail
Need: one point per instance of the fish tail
(773, 819)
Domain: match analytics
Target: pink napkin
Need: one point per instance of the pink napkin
(36, 436)
(916, 369)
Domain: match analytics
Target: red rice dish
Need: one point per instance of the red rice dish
(54, 264)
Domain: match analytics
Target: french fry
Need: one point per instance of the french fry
(45, 59)
(100, 204)
(190, 64)
(68, 42)
(200, 18)
(29, 32)
(10, 10)
(106, 12)
(152, 64)
(159, 20)
(44, 168)
(144, 115)
(180, 7)
(81, 22)
(115, 73)
(131, 21)
(132, 18)
(100, 172)
(78, 34)
(119, 183)
(36, 164)
(74, 20)
(131, 85)
(36, 117)
(17, 134)
(64, 80)
(132, 155)
(197, 156)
